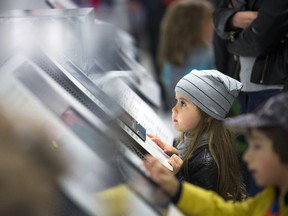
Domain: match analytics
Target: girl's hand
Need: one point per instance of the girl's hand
(161, 175)
(168, 149)
(176, 162)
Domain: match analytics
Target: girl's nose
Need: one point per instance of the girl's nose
(173, 109)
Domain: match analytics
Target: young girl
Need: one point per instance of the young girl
(185, 43)
(207, 148)
(266, 157)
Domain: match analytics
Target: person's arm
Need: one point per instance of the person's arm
(242, 19)
(228, 19)
(197, 201)
(161, 175)
(221, 17)
(264, 32)
(193, 200)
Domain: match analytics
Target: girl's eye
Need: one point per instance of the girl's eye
(255, 146)
(183, 104)
(176, 101)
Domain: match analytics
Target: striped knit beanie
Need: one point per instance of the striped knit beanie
(210, 90)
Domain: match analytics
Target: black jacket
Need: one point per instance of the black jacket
(262, 39)
(202, 170)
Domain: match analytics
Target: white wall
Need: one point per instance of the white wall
(22, 4)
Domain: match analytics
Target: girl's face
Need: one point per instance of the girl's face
(263, 162)
(185, 115)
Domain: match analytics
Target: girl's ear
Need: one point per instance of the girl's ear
(209, 119)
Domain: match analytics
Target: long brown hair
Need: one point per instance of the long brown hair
(181, 30)
(221, 143)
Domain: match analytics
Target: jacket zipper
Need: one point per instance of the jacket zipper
(237, 69)
(235, 56)
(264, 70)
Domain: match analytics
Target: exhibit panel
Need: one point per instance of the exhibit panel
(51, 67)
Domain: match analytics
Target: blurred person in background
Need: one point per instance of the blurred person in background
(256, 32)
(154, 11)
(185, 43)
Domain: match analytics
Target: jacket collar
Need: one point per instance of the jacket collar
(283, 197)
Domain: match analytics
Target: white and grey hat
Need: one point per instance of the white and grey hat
(210, 90)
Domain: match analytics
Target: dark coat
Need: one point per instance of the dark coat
(202, 169)
(263, 39)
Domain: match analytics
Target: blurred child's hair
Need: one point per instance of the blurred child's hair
(181, 29)
(222, 148)
(279, 138)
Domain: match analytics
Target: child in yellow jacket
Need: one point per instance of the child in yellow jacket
(266, 158)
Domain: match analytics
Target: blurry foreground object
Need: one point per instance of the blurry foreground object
(29, 169)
